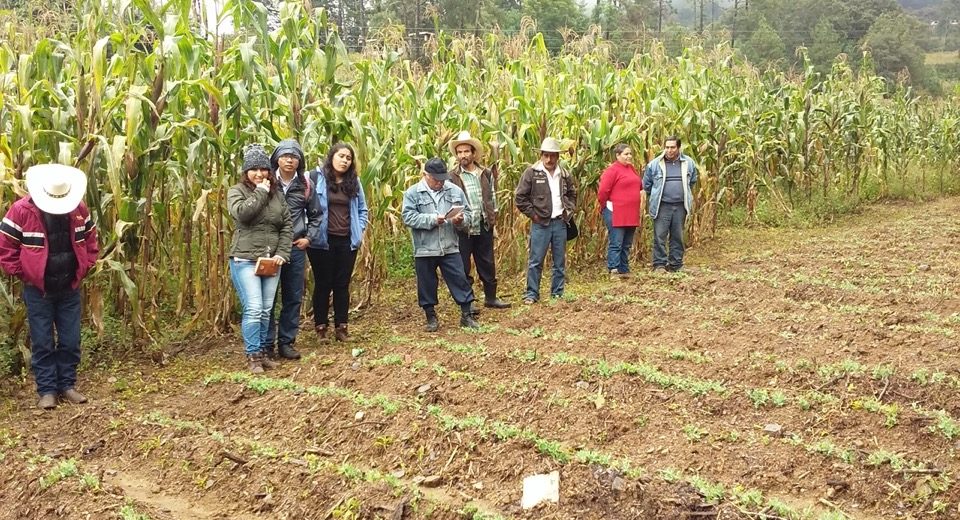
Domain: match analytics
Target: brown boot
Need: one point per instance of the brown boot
(255, 363)
(47, 402)
(70, 395)
(341, 332)
(321, 332)
(268, 363)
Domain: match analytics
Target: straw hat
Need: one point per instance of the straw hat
(465, 138)
(56, 188)
(550, 145)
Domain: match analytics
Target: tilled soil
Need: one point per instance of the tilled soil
(784, 374)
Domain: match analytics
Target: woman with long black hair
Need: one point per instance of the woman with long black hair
(333, 257)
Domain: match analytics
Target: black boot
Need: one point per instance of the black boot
(490, 299)
(467, 318)
(432, 324)
(288, 352)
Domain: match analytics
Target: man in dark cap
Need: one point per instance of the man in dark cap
(434, 209)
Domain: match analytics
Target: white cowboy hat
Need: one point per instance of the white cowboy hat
(464, 138)
(550, 145)
(56, 188)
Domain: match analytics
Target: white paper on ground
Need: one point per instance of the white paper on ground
(540, 488)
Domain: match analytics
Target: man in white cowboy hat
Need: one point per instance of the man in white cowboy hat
(48, 241)
(476, 239)
(547, 195)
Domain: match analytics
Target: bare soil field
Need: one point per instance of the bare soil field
(785, 374)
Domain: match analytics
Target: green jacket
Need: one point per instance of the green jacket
(263, 226)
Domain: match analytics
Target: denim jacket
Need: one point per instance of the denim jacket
(359, 216)
(655, 175)
(420, 213)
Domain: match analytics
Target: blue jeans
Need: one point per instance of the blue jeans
(618, 246)
(554, 236)
(54, 362)
(291, 295)
(256, 296)
(669, 223)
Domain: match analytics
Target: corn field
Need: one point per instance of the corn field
(157, 115)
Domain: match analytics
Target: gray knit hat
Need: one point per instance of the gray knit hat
(255, 158)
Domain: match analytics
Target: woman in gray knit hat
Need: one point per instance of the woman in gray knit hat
(262, 230)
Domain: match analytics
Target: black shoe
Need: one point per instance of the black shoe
(432, 324)
(288, 352)
(269, 351)
(474, 310)
(469, 322)
(496, 303)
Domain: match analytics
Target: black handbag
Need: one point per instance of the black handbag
(572, 231)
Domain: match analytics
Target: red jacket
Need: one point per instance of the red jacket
(621, 185)
(24, 247)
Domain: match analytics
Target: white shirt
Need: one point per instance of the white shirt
(284, 185)
(433, 194)
(554, 180)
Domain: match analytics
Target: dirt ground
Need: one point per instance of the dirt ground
(785, 374)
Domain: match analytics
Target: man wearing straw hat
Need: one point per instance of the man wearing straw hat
(476, 240)
(48, 241)
(547, 195)
(433, 209)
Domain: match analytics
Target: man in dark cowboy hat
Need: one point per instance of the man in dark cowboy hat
(434, 209)
(476, 240)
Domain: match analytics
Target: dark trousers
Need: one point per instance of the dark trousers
(669, 223)
(284, 330)
(480, 247)
(54, 361)
(451, 266)
(332, 271)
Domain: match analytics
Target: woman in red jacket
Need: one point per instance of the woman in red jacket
(619, 198)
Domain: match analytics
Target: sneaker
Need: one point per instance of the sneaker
(47, 402)
(469, 322)
(70, 395)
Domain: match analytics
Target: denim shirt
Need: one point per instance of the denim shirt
(420, 211)
(655, 176)
(359, 215)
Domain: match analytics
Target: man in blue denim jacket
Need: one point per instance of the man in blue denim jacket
(668, 181)
(434, 209)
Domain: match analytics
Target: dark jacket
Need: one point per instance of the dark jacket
(533, 193)
(301, 197)
(24, 246)
(486, 191)
(263, 226)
